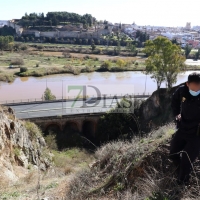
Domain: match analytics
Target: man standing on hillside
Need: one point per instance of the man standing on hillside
(185, 144)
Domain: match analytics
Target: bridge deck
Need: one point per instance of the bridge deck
(31, 110)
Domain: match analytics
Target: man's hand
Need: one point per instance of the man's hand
(178, 117)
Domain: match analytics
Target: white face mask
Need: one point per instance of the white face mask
(193, 93)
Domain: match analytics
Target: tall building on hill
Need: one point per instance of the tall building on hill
(188, 25)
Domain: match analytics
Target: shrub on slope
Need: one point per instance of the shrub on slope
(139, 169)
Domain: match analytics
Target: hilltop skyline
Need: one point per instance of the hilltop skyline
(154, 13)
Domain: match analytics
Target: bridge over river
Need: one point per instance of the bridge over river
(63, 115)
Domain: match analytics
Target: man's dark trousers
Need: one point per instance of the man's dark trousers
(190, 145)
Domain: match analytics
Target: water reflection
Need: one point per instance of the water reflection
(24, 79)
(31, 87)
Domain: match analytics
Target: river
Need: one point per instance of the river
(24, 88)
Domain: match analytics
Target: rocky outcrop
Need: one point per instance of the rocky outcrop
(156, 110)
(21, 145)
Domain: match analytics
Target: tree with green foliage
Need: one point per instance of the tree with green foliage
(93, 46)
(55, 18)
(130, 47)
(154, 67)
(24, 47)
(121, 63)
(23, 69)
(48, 95)
(7, 31)
(27, 39)
(187, 50)
(197, 54)
(141, 37)
(165, 61)
(105, 66)
(6, 42)
(16, 46)
(123, 124)
(80, 41)
(118, 47)
(174, 41)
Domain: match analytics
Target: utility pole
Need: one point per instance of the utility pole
(46, 78)
(145, 84)
(62, 109)
(62, 97)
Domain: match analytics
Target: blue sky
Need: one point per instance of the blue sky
(143, 12)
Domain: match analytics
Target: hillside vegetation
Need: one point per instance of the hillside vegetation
(55, 18)
(138, 170)
(30, 169)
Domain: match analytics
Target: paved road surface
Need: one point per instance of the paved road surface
(59, 108)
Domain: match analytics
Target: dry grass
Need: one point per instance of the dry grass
(6, 77)
(3, 183)
(33, 129)
(72, 157)
(30, 177)
(68, 170)
(52, 182)
(139, 170)
(17, 61)
(49, 62)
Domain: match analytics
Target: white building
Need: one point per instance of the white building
(3, 23)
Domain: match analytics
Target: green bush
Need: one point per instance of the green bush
(105, 66)
(40, 47)
(33, 130)
(6, 78)
(51, 141)
(24, 47)
(23, 69)
(16, 152)
(48, 95)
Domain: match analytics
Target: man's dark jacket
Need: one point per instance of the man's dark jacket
(188, 106)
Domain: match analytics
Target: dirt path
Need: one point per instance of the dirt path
(80, 55)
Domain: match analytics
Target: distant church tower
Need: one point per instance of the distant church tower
(188, 25)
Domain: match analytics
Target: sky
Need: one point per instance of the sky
(143, 12)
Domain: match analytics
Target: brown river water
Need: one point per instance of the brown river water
(24, 88)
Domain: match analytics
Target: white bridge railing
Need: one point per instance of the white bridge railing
(71, 98)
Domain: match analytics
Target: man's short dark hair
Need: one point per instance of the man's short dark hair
(194, 77)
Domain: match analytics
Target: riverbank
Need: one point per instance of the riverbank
(41, 63)
(42, 72)
(37, 64)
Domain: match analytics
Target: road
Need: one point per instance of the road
(61, 108)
